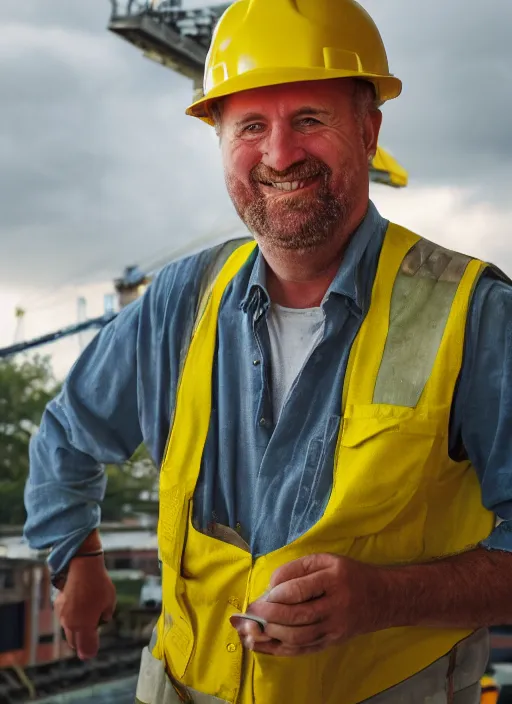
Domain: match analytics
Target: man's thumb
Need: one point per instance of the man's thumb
(108, 614)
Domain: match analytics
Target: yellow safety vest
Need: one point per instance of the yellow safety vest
(397, 497)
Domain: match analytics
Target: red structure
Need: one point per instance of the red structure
(29, 632)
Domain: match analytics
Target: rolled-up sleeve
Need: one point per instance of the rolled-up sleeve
(119, 394)
(94, 420)
(482, 413)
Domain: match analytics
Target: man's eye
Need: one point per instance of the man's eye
(254, 127)
(309, 121)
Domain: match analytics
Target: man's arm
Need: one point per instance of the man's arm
(94, 420)
(470, 590)
(120, 392)
(482, 410)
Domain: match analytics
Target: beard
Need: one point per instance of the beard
(296, 221)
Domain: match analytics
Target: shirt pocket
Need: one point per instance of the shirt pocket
(386, 457)
(316, 479)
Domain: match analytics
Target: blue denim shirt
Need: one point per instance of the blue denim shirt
(269, 479)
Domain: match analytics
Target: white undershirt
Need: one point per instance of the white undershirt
(294, 333)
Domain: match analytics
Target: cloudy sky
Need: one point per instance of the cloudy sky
(100, 168)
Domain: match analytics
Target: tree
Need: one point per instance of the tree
(131, 488)
(26, 386)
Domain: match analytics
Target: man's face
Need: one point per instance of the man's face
(296, 160)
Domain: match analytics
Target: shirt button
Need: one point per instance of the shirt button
(263, 421)
(234, 602)
(256, 362)
(231, 648)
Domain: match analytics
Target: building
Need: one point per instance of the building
(29, 632)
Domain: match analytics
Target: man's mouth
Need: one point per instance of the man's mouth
(290, 186)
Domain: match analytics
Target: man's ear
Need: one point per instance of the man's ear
(372, 124)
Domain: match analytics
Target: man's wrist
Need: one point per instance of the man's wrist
(91, 544)
(382, 585)
(90, 548)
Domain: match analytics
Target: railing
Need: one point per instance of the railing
(198, 23)
(131, 8)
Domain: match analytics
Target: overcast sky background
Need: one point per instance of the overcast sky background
(100, 168)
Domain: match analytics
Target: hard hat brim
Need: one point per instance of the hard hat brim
(387, 87)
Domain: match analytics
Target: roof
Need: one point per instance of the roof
(17, 562)
(14, 547)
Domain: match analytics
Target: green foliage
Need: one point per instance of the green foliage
(128, 591)
(26, 386)
(131, 488)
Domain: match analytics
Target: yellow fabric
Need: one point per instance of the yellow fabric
(490, 690)
(261, 43)
(386, 169)
(396, 498)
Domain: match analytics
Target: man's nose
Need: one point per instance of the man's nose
(282, 149)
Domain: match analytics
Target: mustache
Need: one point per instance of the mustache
(300, 171)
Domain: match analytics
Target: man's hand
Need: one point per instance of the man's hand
(321, 600)
(88, 598)
(313, 603)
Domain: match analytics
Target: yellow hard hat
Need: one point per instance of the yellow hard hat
(260, 43)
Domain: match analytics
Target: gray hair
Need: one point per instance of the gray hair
(365, 98)
(215, 111)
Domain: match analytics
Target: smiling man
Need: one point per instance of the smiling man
(329, 404)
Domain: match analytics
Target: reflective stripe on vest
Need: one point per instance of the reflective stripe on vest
(396, 497)
(423, 295)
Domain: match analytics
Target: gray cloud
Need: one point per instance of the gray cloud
(451, 123)
(99, 167)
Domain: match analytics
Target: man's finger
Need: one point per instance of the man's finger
(299, 590)
(70, 637)
(298, 637)
(87, 643)
(301, 614)
(300, 568)
(249, 631)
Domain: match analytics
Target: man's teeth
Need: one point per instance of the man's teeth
(289, 185)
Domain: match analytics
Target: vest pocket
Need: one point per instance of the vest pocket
(385, 457)
(178, 636)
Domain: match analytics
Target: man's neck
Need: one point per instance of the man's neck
(301, 278)
(295, 284)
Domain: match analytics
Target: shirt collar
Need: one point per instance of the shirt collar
(348, 280)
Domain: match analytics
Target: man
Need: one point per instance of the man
(329, 409)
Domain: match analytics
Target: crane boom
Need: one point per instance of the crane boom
(57, 335)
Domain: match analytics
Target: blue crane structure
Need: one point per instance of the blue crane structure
(128, 287)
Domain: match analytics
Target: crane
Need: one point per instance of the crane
(179, 39)
(128, 287)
